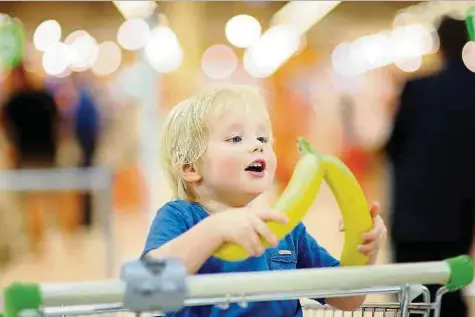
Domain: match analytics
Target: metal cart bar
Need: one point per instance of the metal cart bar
(164, 285)
(63, 179)
(215, 285)
(224, 302)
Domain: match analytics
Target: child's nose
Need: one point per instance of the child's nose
(258, 148)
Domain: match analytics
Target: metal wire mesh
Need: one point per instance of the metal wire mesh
(309, 310)
(375, 310)
(363, 312)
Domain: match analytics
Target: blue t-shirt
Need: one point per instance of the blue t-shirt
(300, 250)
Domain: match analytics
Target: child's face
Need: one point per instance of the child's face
(239, 163)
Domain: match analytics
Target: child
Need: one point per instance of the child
(217, 150)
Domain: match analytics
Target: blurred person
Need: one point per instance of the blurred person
(66, 97)
(433, 159)
(30, 119)
(218, 155)
(87, 131)
(76, 99)
(13, 237)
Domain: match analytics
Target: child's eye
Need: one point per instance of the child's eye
(235, 139)
(263, 139)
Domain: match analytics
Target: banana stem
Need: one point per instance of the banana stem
(304, 146)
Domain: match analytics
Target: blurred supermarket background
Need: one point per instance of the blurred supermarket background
(333, 70)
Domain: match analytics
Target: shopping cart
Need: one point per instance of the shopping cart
(155, 285)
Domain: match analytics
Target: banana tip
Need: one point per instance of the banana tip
(304, 146)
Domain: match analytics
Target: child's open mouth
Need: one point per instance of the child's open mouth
(257, 168)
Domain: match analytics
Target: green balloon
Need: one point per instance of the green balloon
(12, 42)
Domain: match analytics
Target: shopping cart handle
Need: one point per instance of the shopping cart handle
(154, 284)
(148, 284)
(20, 296)
(461, 272)
(164, 284)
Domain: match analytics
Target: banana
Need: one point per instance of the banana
(299, 195)
(353, 207)
(295, 201)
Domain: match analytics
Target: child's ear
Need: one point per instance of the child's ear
(189, 173)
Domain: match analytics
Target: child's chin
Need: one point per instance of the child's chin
(257, 190)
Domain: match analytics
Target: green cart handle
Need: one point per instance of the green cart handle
(470, 22)
(461, 272)
(454, 273)
(20, 296)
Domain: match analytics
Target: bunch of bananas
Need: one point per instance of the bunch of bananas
(299, 195)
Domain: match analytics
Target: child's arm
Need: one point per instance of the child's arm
(172, 235)
(193, 247)
(346, 303)
(369, 247)
(312, 255)
(353, 302)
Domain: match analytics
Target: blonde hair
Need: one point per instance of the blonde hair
(186, 129)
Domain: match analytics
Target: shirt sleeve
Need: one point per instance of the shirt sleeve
(312, 255)
(168, 224)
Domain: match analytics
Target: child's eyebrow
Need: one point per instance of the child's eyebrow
(233, 127)
(265, 127)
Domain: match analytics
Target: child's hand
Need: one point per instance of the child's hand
(244, 226)
(374, 238)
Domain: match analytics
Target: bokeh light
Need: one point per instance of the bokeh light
(468, 55)
(272, 50)
(403, 46)
(344, 61)
(83, 48)
(219, 62)
(46, 35)
(409, 65)
(402, 19)
(136, 9)
(108, 58)
(373, 51)
(163, 50)
(12, 43)
(133, 34)
(243, 30)
(411, 41)
(56, 59)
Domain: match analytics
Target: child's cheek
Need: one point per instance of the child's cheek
(227, 169)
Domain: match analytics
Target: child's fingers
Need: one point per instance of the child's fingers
(272, 215)
(263, 230)
(371, 235)
(368, 248)
(378, 231)
(253, 244)
(374, 209)
(341, 226)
